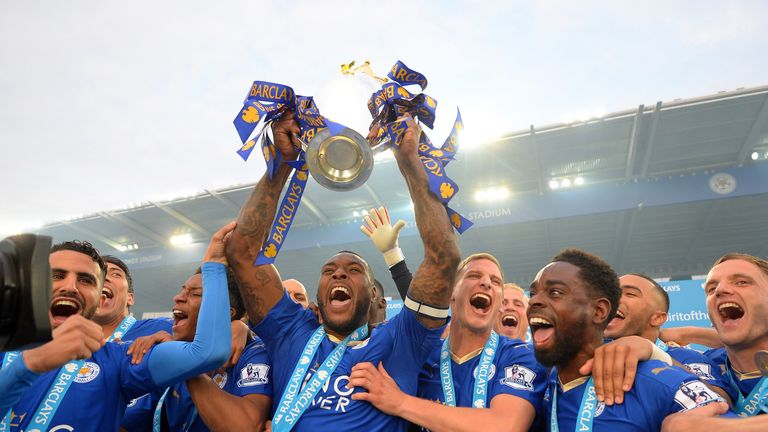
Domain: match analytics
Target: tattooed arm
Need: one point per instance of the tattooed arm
(433, 281)
(260, 286)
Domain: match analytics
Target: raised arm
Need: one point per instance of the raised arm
(433, 280)
(172, 361)
(261, 286)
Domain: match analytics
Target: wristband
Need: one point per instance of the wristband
(425, 309)
(393, 256)
(659, 354)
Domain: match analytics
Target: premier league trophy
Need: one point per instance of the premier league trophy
(337, 156)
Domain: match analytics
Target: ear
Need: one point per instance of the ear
(130, 299)
(602, 309)
(658, 319)
(232, 312)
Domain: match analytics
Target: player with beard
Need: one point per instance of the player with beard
(512, 320)
(243, 391)
(642, 311)
(572, 300)
(474, 368)
(302, 350)
(114, 313)
(737, 303)
(48, 390)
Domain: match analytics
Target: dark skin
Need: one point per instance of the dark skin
(261, 287)
(559, 296)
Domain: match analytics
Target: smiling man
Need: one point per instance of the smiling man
(114, 313)
(572, 300)
(512, 320)
(474, 368)
(54, 387)
(642, 311)
(737, 302)
(312, 362)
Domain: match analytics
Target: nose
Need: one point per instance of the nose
(339, 273)
(68, 284)
(723, 288)
(181, 296)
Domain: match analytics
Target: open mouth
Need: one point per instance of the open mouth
(107, 293)
(480, 302)
(340, 296)
(179, 317)
(62, 308)
(730, 311)
(509, 320)
(618, 318)
(541, 329)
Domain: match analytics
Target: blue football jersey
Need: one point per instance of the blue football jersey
(703, 367)
(744, 382)
(515, 371)
(147, 327)
(403, 344)
(659, 390)
(106, 381)
(251, 375)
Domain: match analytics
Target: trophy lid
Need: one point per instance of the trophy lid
(341, 161)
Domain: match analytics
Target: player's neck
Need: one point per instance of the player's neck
(743, 358)
(463, 340)
(650, 333)
(569, 371)
(108, 328)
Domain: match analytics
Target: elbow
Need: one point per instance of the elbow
(217, 356)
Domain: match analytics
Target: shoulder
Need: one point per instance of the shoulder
(718, 355)
(654, 373)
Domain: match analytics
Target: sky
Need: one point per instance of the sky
(107, 103)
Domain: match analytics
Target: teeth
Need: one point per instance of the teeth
(179, 314)
(620, 314)
(485, 296)
(540, 321)
(65, 303)
(728, 305)
(334, 290)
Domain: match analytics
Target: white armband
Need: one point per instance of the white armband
(424, 309)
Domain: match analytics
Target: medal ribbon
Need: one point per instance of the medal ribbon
(123, 328)
(480, 392)
(755, 401)
(586, 409)
(662, 345)
(157, 416)
(9, 357)
(293, 404)
(50, 404)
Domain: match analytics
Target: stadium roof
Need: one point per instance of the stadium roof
(666, 189)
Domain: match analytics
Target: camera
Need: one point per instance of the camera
(25, 291)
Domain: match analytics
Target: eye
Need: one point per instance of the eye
(327, 271)
(85, 280)
(555, 292)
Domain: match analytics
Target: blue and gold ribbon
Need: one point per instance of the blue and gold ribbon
(265, 103)
(388, 105)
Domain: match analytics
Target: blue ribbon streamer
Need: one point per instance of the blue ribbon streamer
(390, 103)
(586, 410)
(480, 390)
(49, 405)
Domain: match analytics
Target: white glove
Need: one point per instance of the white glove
(384, 235)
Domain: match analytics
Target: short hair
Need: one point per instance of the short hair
(367, 266)
(514, 286)
(110, 259)
(660, 289)
(598, 275)
(379, 287)
(235, 299)
(85, 248)
(759, 262)
(478, 256)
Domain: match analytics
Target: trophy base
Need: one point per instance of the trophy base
(339, 162)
